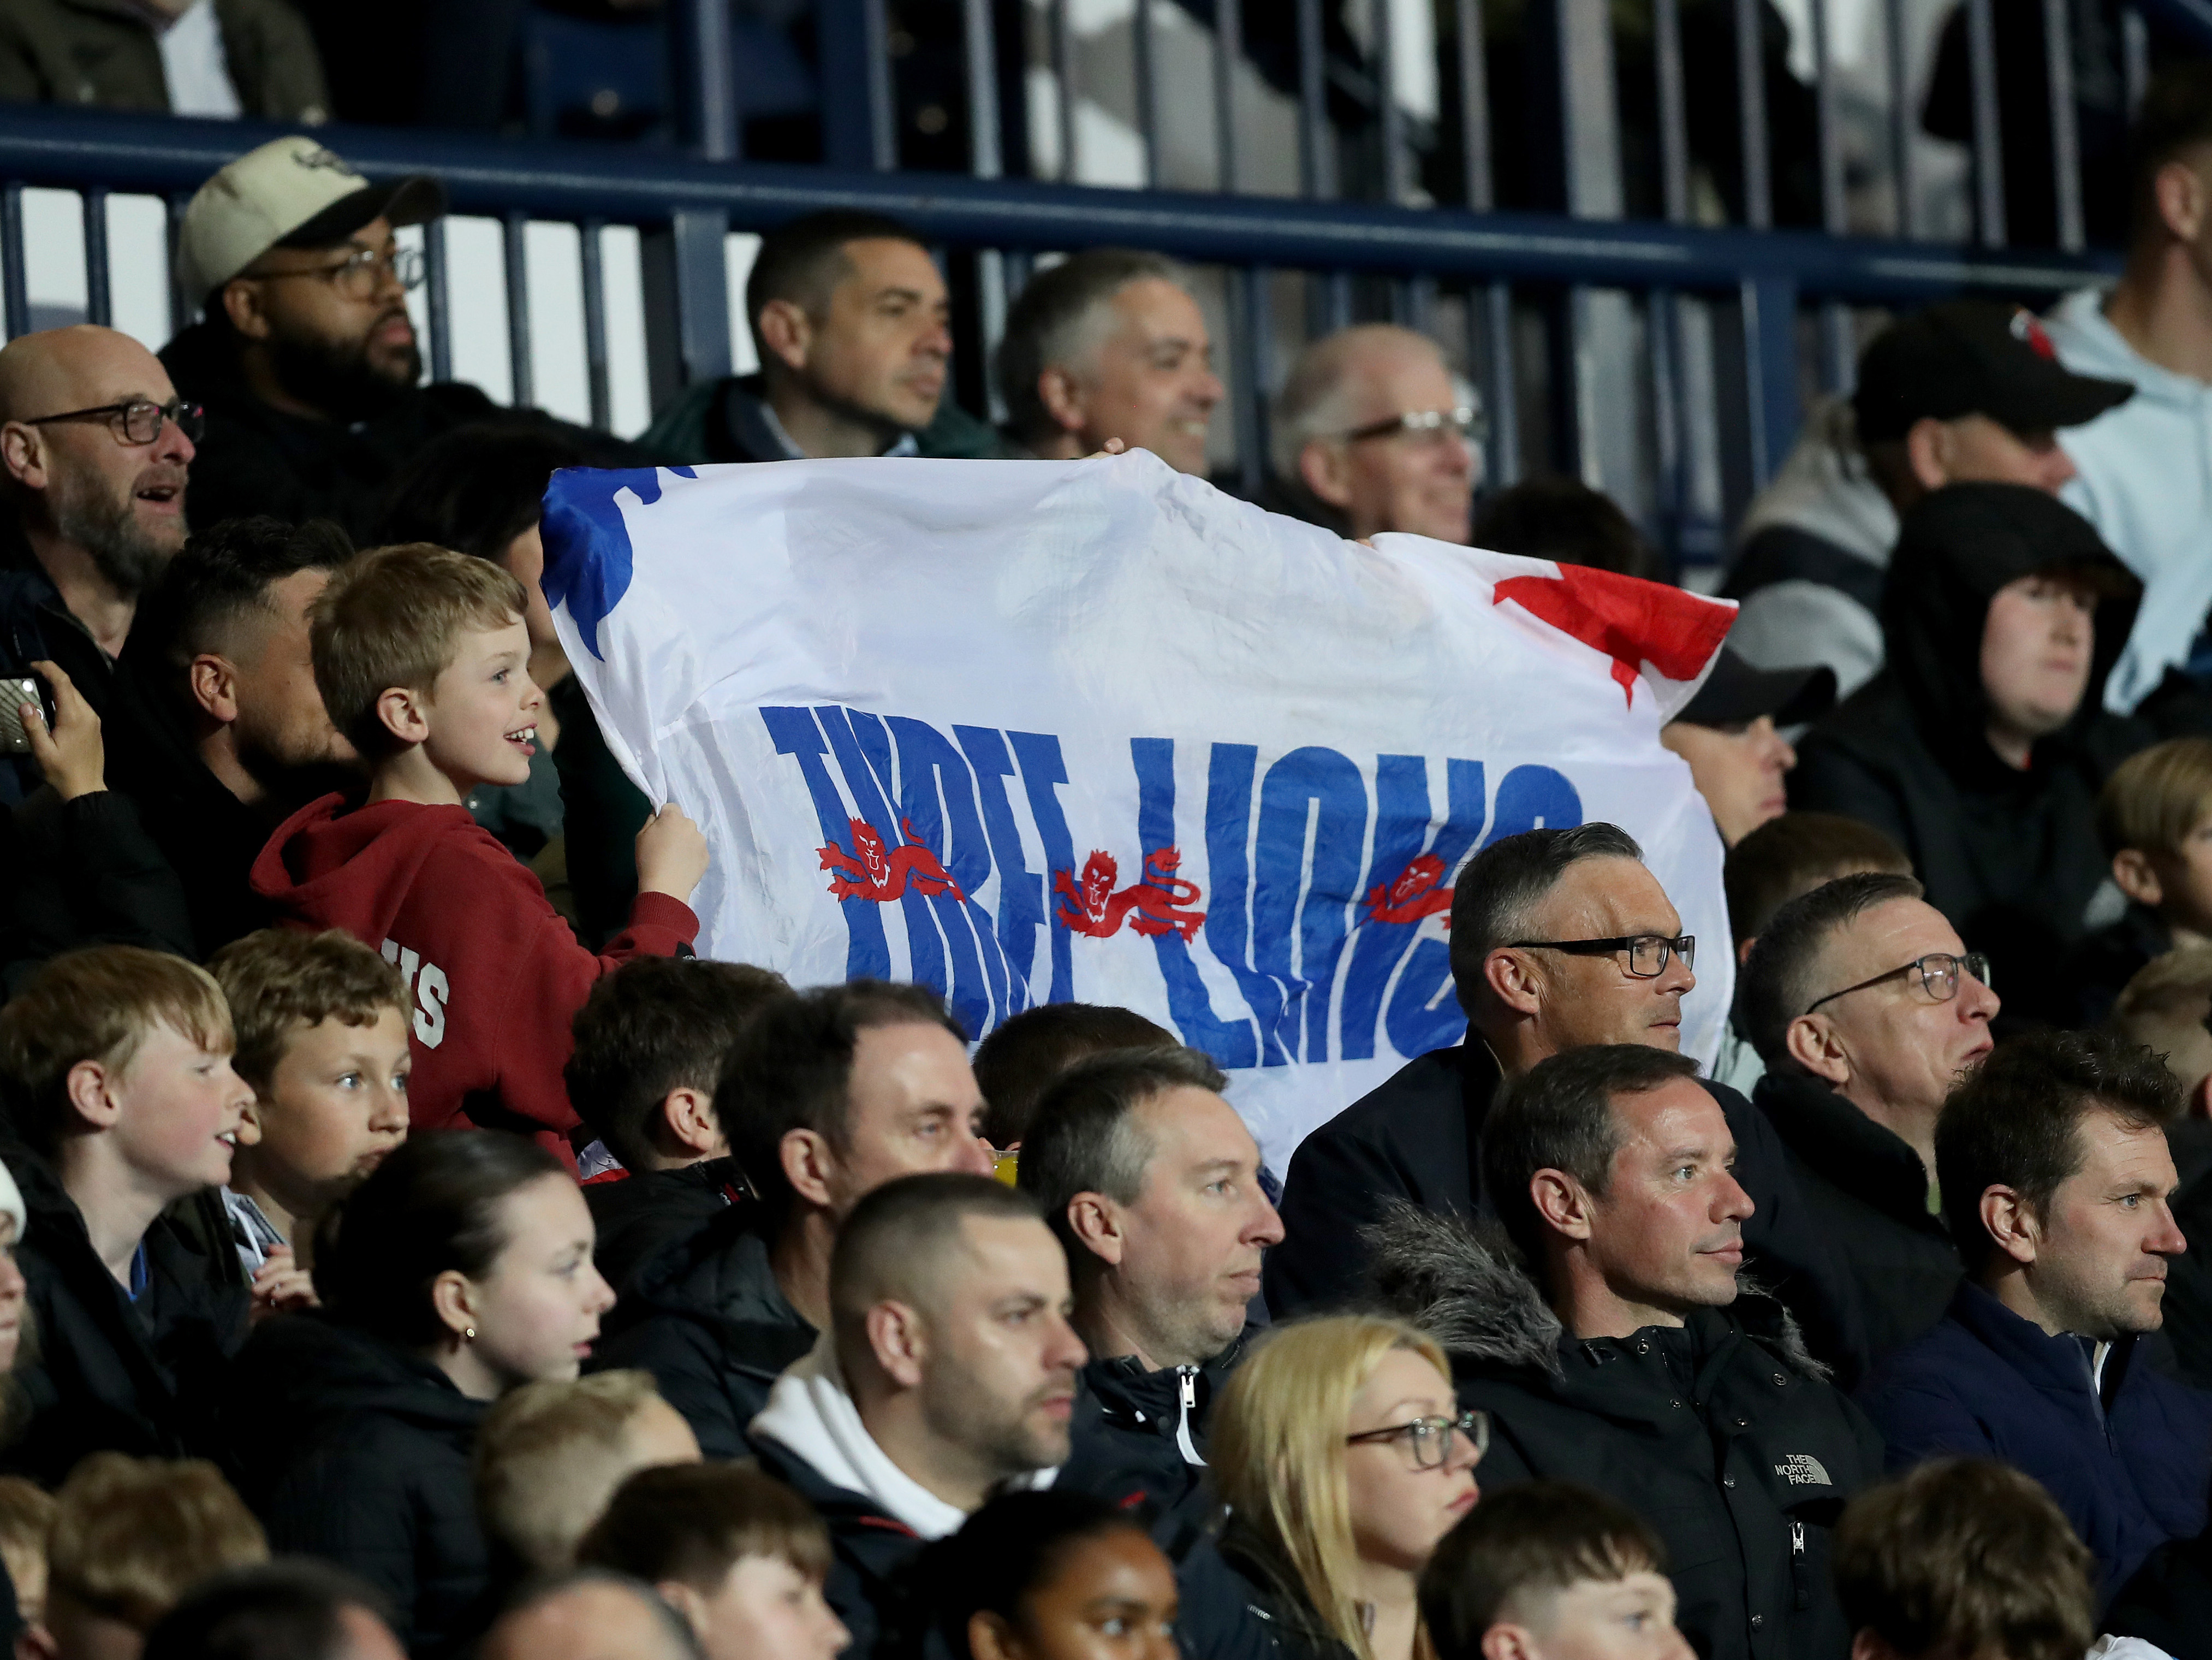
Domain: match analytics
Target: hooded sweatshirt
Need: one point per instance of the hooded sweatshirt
(2143, 478)
(495, 974)
(2010, 856)
(1815, 544)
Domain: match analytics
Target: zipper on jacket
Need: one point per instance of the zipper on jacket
(1800, 1575)
(1188, 1378)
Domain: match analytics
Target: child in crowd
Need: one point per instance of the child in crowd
(115, 1068)
(2154, 816)
(741, 1556)
(1551, 1570)
(551, 1453)
(130, 1536)
(321, 1022)
(1024, 1053)
(422, 657)
(27, 1518)
(2165, 1008)
(649, 1044)
(1962, 1557)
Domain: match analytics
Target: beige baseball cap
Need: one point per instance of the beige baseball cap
(291, 192)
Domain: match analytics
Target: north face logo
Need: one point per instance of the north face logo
(1801, 1469)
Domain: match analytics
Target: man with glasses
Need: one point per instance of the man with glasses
(98, 450)
(2056, 1186)
(1560, 940)
(1610, 1340)
(1867, 1012)
(307, 360)
(1373, 433)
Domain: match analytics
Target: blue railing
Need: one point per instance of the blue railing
(1743, 372)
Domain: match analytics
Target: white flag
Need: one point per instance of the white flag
(1035, 732)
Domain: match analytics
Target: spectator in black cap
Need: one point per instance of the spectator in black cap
(1980, 749)
(1730, 734)
(1966, 391)
(305, 361)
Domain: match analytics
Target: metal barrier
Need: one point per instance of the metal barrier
(1616, 292)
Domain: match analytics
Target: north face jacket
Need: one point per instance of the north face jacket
(1723, 1434)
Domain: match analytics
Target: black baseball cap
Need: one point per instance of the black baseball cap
(1973, 357)
(1735, 694)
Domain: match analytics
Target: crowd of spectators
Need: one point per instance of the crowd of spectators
(408, 1245)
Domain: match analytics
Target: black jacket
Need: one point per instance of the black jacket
(2012, 858)
(2098, 969)
(707, 1318)
(868, 1547)
(1866, 1192)
(1145, 1432)
(2188, 1305)
(257, 459)
(34, 624)
(353, 1450)
(642, 1214)
(1723, 1434)
(2168, 1603)
(141, 1377)
(1290, 1627)
(1417, 1139)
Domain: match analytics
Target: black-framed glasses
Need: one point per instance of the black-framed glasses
(137, 422)
(1647, 953)
(1464, 423)
(1429, 1439)
(1938, 972)
(362, 274)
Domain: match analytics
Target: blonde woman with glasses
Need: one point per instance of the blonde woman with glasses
(1341, 1451)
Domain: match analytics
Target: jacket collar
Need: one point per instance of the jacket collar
(1868, 1161)
(2056, 1365)
(1463, 1283)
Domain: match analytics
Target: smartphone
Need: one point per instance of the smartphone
(14, 692)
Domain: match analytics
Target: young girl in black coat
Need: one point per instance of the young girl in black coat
(459, 1268)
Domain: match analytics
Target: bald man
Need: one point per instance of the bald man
(1371, 427)
(949, 1373)
(590, 1615)
(98, 452)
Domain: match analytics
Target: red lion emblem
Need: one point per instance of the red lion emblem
(1417, 893)
(883, 873)
(1099, 910)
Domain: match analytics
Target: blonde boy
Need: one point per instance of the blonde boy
(321, 1022)
(422, 661)
(115, 1065)
(2154, 818)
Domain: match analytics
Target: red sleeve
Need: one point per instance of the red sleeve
(552, 978)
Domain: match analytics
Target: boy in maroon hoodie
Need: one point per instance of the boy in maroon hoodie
(422, 657)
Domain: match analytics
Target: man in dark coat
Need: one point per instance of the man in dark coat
(1586, 894)
(1867, 1011)
(1980, 747)
(1607, 1335)
(823, 1097)
(2056, 1183)
(218, 733)
(305, 361)
(1152, 1181)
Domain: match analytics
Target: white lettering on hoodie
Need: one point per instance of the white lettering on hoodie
(427, 984)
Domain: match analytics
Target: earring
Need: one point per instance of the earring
(468, 1334)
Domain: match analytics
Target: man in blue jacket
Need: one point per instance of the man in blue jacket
(2055, 1179)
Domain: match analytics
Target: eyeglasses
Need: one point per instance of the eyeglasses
(1429, 1439)
(138, 421)
(1647, 953)
(1435, 426)
(361, 275)
(1938, 971)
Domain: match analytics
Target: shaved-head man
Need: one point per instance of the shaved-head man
(1109, 344)
(949, 1373)
(590, 1615)
(1371, 426)
(98, 453)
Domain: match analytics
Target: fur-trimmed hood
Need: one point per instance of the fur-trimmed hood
(1463, 1283)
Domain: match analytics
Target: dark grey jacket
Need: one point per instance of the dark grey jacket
(101, 53)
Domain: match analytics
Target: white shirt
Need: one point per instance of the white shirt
(193, 64)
